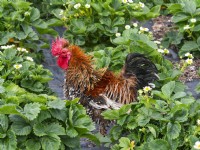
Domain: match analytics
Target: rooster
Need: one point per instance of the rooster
(101, 89)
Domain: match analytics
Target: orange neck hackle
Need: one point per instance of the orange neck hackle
(80, 73)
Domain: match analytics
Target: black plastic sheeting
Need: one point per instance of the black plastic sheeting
(191, 88)
(58, 75)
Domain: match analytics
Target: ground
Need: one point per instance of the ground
(163, 24)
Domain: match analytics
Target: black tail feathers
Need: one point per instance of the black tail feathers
(140, 66)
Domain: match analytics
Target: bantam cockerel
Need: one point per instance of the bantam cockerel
(101, 89)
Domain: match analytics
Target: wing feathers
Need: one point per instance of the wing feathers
(115, 87)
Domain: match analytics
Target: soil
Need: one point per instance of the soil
(162, 25)
(191, 72)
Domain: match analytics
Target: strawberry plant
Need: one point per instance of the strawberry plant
(95, 23)
(135, 39)
(186, 18)
(165, 116)
(18, 65)
(30, 121)
(165, 119)
(20, 24)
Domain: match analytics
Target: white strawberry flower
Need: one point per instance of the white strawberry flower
(193, 20)
(141, 4)
(186, 27)
(197, 145)
(166, 51)
(20, 49)
(3, 47)
(118, 34)
(11, 46)
(124, 1)
(24, 50)
(87, 5)
(17, 66)
(64, 18)
(140, 92)
(146, 29)
(157, 42)
(198, 122)
(27, 13)
(147, 89)
(141, 29)
(135, 24)
(77, 6)
(189, 55)
(29, 58)
(160, 50)
(189, 61)
(61, 13)
(127, 27)
(7, 46)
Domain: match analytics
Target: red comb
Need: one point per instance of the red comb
(58, 45)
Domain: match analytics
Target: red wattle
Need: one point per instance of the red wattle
(63, 62)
